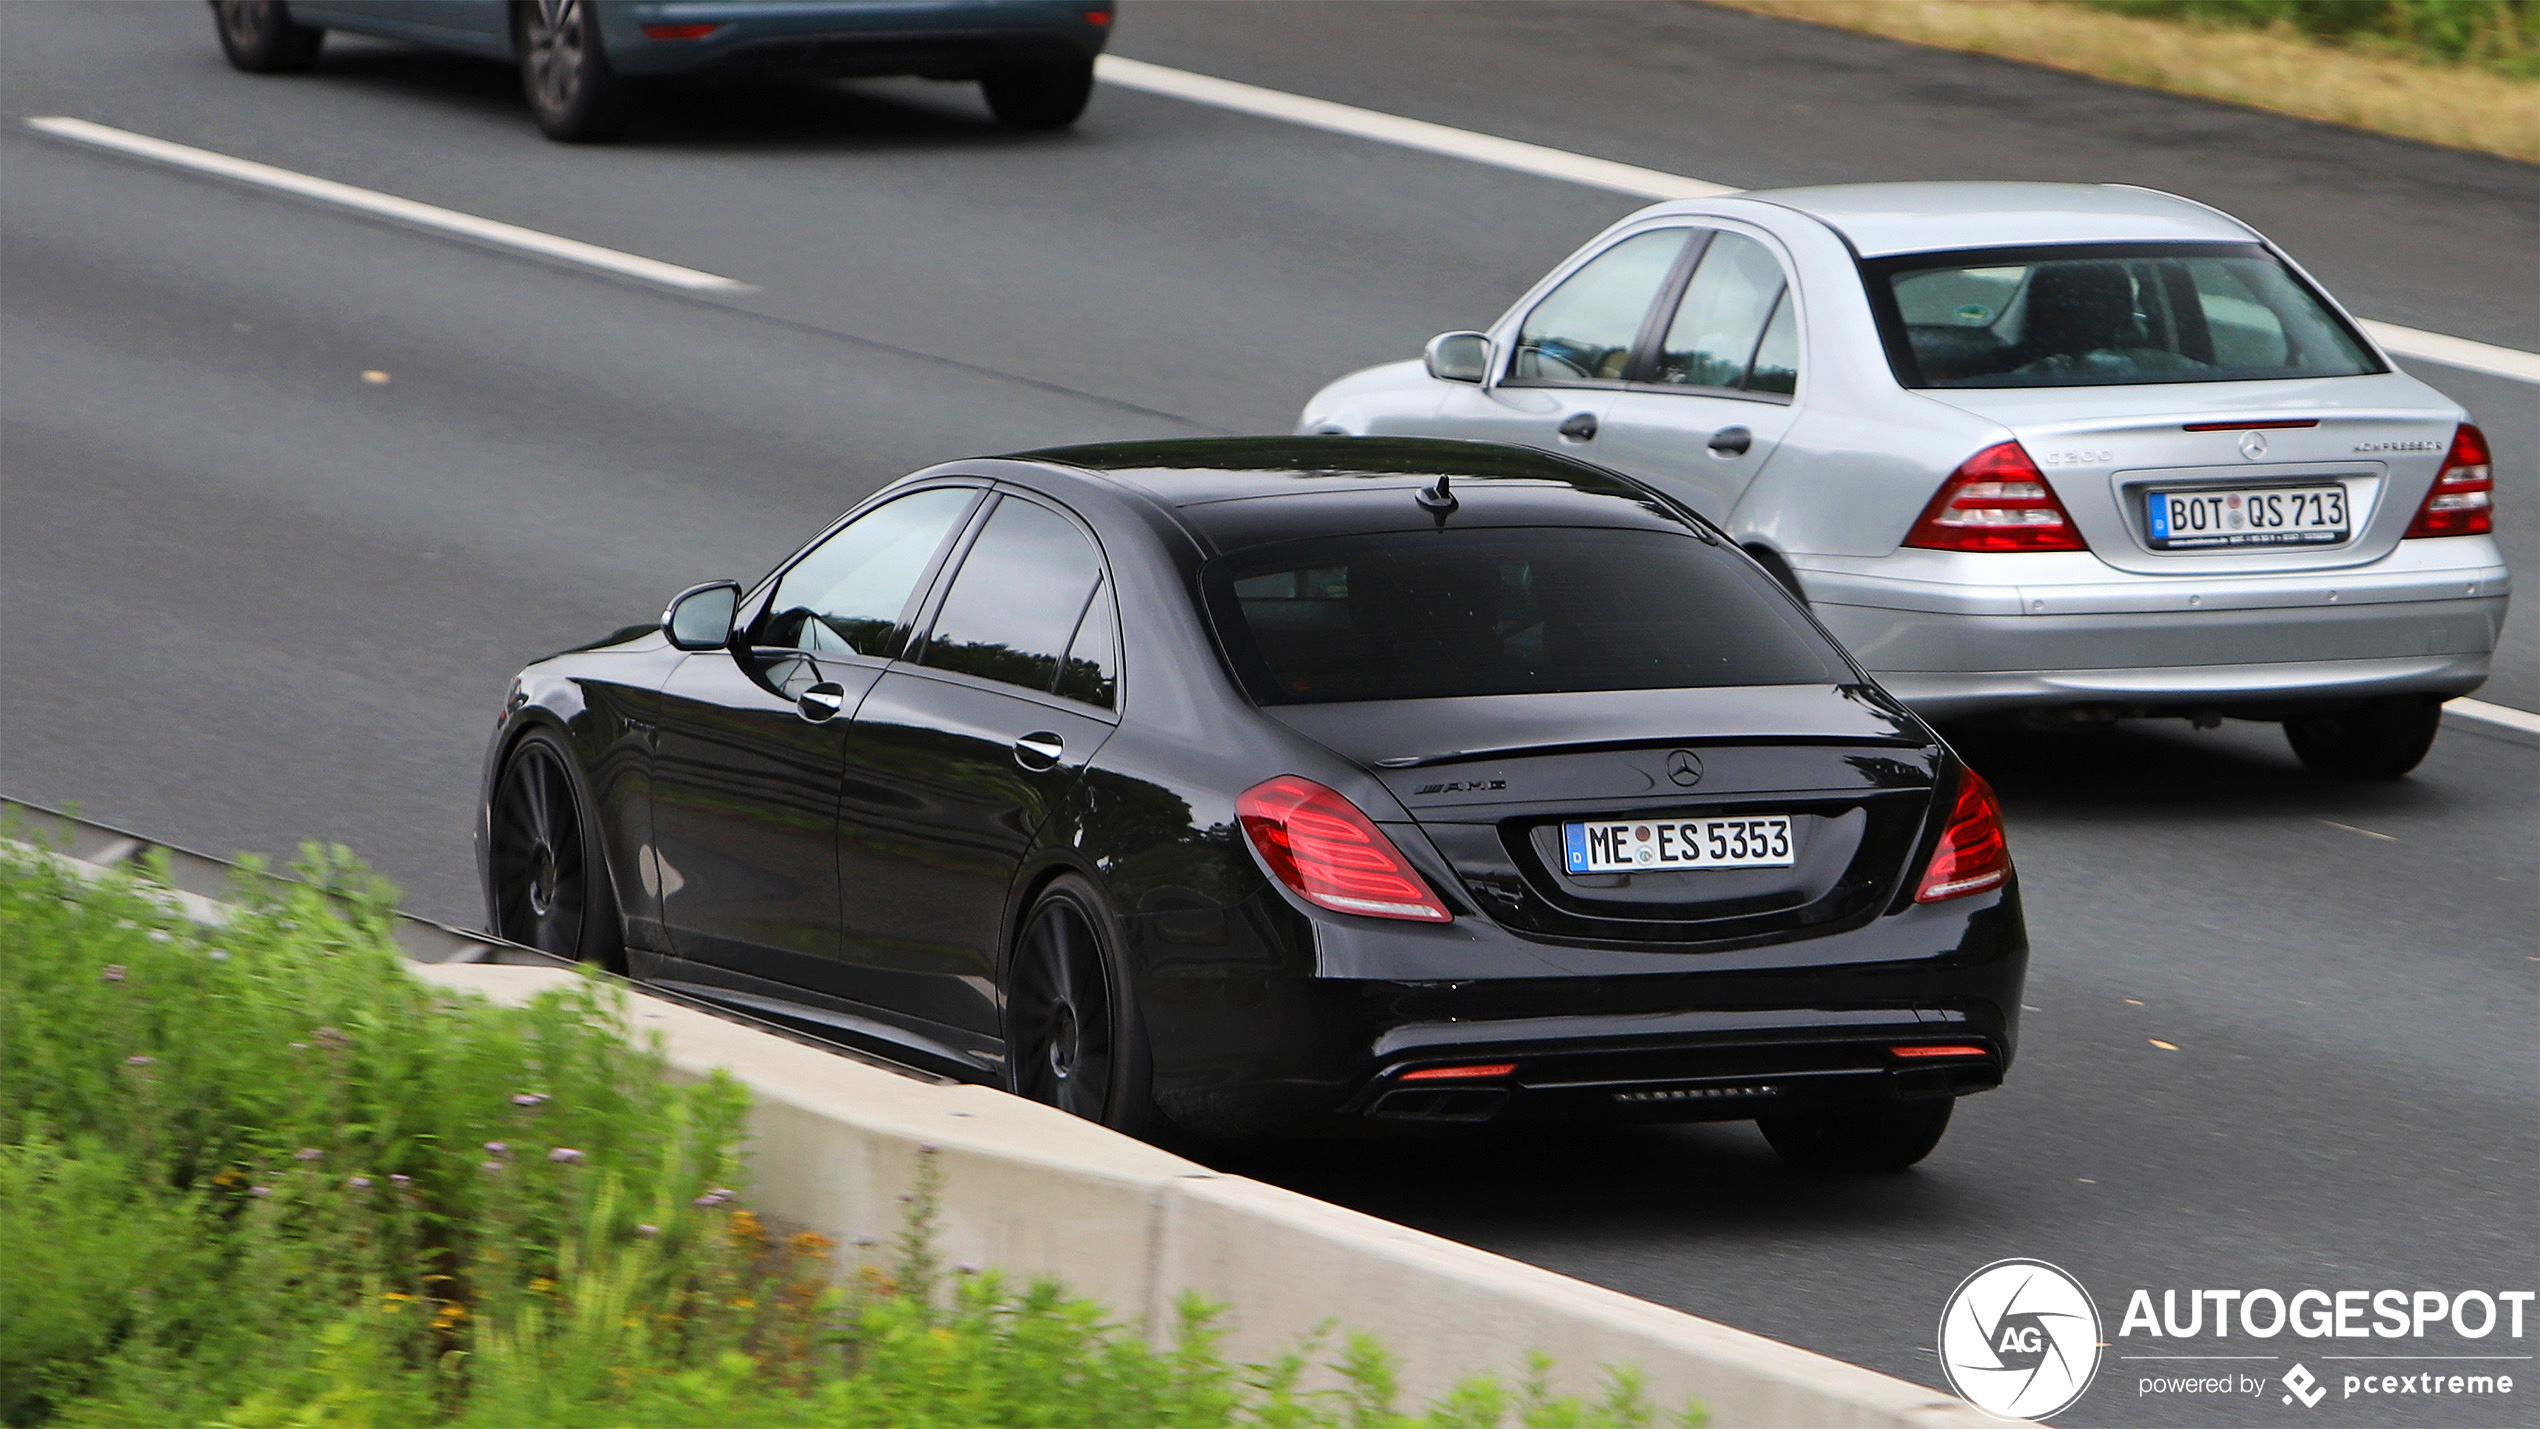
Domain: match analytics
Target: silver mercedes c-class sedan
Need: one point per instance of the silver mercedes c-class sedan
(2054, 452)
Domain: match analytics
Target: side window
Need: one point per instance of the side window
(850, 594)
(1092, 671)
(1584, 329)
(1018, 599)
(1733, 292)
(1777, 356)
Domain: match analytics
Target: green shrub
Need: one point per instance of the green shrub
(2502, 35)
(258, 1175)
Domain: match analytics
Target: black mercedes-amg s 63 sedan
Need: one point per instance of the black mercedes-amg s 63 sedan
(1267, 785)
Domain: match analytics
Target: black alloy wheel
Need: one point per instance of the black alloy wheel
(1045, 96)
(260, 38)
(565, 74)
(548, 881)
(2381, 740)
(1073, 1038)
(1869, 1136)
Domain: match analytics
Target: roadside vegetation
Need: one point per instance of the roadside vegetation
(2462, 73)
(259, 1175)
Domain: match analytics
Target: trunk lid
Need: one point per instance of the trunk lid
(2106, 450)
(1494, 781)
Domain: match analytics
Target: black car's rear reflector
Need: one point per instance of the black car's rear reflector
(1440, 1074)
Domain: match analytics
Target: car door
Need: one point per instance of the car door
(1719, 384)
(746, 776)
(960, 754)
(1569, 357)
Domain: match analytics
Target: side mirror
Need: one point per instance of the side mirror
(1458, 356)
(700, 617)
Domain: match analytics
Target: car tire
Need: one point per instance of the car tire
(1869, 1136)
(260, 37)
(1039, 97)
(2381, 740)
(573, 94)
(546, 870)
(1074, 1038)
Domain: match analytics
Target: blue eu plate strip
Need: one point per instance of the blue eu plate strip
(2160, 517)
(1575, 837)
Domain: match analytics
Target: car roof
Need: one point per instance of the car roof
(1884, 219)
(1233, 492)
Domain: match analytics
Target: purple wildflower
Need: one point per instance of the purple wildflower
(400, 1179)
(137, 1060)
(307, 1153)
(528, 1098)
(714, 1197)
(564, 1153)
(647, 1230)
(359, 1183)
(260, 1192)
(499, 1148)
(114, 972)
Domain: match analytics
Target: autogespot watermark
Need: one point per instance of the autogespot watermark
(2021, 1339)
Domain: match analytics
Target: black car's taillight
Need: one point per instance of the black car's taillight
(1973, 855)
(1330, 854)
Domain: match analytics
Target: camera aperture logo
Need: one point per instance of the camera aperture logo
(2019, 1339)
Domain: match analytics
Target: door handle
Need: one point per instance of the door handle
(1731, 441)
(1581, 427)
(1040, 750)
(821, 703)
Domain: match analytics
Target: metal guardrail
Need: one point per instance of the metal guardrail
(197, 875)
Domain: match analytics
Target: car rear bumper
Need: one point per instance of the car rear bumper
(1642, 1034)
(959, 39)
(2068, 631)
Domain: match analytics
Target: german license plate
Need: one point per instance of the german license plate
(2252, 516)
(1648, 845)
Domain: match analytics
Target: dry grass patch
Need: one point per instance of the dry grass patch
(2462, 107)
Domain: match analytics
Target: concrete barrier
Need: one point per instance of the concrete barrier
(1033, 1191)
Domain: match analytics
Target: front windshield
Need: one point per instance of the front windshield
(2106, 316)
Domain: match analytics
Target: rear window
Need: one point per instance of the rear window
(1506, 611)
(2106, 316)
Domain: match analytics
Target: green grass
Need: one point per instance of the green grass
(2500, 35)
(260, 1175)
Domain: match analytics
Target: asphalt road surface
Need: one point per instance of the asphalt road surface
(249, 597)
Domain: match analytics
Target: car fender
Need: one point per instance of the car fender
(1849, 480)
(1395, 399)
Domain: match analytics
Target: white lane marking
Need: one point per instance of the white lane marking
(2456, 351)
(403, 210)
(2505, 715)
(1631, 179)
(1409, 133)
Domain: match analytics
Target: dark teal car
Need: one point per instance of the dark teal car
(1033, 59)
